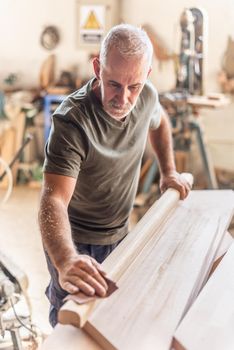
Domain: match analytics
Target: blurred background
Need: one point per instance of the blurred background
(46, 52)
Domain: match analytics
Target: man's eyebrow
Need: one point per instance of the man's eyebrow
(132, 85)
(114, 82)
(135, 85)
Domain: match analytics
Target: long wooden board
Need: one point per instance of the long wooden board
(227, 241)
(126, 252)
(59, 338)
(71, 338)
(66, 337)
(210, 321)
(158, 287)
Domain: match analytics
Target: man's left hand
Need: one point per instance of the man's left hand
(176, 181)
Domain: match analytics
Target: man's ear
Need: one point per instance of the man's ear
(96, 67)
(149, 71)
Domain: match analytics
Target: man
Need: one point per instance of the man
(92, 165)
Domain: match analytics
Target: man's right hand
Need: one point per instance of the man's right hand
(82, 273)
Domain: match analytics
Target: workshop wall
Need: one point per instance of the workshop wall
(23, 21)
(21, 24)
(164, 16)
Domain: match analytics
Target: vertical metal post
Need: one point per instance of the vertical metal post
(15, 336)
(209, 168)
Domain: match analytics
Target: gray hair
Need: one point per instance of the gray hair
(129, 40)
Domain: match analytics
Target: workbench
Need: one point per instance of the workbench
(184, 112)
(160, 268)
(212, 101)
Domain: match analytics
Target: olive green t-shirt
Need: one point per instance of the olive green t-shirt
(104, 155)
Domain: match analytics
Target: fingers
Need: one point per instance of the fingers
(98, 266)
(93, 268)
(177, 182)
(89, 284)
(183, 192)
(185, 188)
(85, 274)
(70, 288)
(181, 189)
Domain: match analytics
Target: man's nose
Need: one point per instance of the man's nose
(123, 96)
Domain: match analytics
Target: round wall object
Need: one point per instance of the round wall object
(50, 37)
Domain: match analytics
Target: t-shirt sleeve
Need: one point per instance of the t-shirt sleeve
(65, 149)
(156, 113)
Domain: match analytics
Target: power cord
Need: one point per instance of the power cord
(8, 172)
(20, 321)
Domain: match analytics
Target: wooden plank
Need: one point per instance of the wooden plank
(159, 286)
(207, 102)
(209, 322)
(70, 338)
(123, 256)
(66, 337)
(227, 241)
(7, 152)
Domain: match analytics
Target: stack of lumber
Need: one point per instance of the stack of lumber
(209, 322)
(160, 268)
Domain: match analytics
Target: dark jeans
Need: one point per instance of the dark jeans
(55, 293)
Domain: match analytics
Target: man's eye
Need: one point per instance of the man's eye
(134, 88)
(114, 85)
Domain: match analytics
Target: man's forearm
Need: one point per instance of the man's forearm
(55, 230)
(161, 141)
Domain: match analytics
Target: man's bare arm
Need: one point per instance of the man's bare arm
(161, 141)
(76, 272)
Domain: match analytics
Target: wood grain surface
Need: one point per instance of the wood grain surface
(159, 286)
(210, 321)
(126, 252)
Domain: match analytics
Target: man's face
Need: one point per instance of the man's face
(121, 82)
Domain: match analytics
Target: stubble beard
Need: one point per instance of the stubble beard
(118, 111)
(115, 110)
